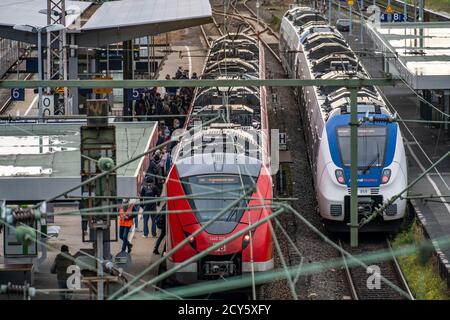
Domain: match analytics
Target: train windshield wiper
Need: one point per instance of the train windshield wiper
(232, 214)
(375, 160)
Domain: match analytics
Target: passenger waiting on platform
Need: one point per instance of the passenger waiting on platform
(140, 109)
(59, 267)
(156, 170)
(161, 223)
(179, 73)
(125, 223)
(171, 91)
(194, 76)
(159, 105)
(162, 163)
(149, 190)
(185, 75)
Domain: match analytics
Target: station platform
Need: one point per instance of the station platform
(38, 161)
(420, 52)
(70, 234)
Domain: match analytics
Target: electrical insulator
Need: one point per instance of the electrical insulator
(382, 119)
(17, 289)
(25, 216)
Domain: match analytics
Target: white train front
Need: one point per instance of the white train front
(311, 49)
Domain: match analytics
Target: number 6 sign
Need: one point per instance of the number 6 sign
(18, 94)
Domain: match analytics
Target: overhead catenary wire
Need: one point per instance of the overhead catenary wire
(68, 256)
(203, 253)
(311, 268)
(181, 243)
(105, 173)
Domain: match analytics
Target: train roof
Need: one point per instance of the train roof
(329, 56)
(223, 163)
(231, 65)
(232, 56)
(226, 138)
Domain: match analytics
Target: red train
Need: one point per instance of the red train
(216, 164)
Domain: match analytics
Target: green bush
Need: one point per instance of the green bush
(423, 278)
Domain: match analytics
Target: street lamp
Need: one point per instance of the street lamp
(39, 31)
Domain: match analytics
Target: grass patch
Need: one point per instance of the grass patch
(420, 272)
(276, 23)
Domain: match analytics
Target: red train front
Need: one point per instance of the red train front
(215, 166)
(215, 187)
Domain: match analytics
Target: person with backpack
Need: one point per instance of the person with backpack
(149, 190)
(59, 267)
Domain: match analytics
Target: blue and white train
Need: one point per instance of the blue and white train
(311, 49)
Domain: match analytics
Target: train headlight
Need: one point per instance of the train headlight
(386, 176)
(191, 240)
(340, 176)
(245, 241)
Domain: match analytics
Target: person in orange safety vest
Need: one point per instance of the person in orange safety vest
(126, 216)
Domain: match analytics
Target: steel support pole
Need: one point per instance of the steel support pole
(405, 11)
(354, 167)
(351, 20)
(339, 9)
(99, 244)
(39, 32)
(421, 10)
(329, 11)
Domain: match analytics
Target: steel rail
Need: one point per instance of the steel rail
(394, 264)
(278, 274)
(275, 55)
(348, 275)
(399, 271)
(261, 22)
(337, 247)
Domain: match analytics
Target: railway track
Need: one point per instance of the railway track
(358, 277)
(258, 27)
(209, 29)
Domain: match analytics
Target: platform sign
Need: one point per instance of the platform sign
(32, 65)
(282, 141)
(115, 54)
(48, 105)
(394, 17)
(103, 90)
(389, 9)
(134, 94)
(18, 94)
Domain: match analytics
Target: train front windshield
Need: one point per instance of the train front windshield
(228, 189)
(372, 142)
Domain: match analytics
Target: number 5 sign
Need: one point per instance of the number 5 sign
(18, 94)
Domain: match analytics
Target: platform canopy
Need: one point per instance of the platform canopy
(419, 51)
(38, 161)
(98, 25)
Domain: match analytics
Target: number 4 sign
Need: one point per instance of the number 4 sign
(18, 94)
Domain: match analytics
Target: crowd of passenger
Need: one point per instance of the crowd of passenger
(170, 109)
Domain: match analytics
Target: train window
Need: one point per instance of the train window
(372, 142)
(228, 187)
